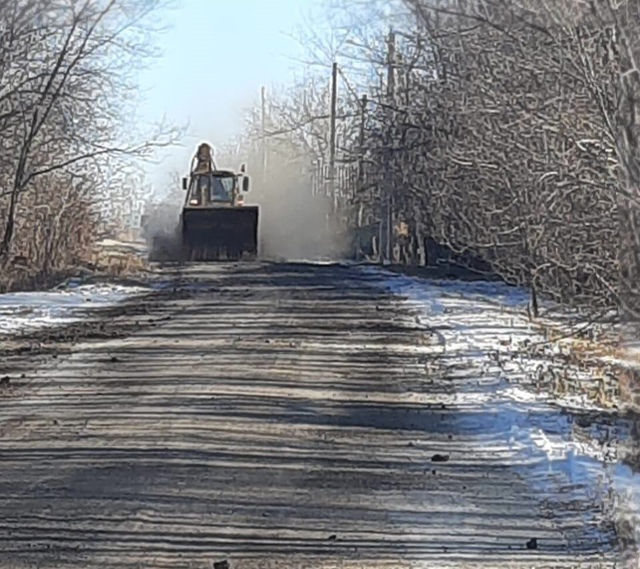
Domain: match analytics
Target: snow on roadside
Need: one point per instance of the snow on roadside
(29, 311)
(483, 325)
(514, 374)
(488, 346)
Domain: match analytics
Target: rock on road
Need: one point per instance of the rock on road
(275, 416)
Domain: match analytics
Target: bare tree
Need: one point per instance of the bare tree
(503, 130)
(502, 141)
(66, 76)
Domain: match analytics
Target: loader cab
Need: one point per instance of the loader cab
(211, 189)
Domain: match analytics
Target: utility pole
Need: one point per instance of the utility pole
(363, 122)
(391, 99)
(263, 128)
(386, 223)
(332, 134)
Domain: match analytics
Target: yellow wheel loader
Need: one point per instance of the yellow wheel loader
(215, 224)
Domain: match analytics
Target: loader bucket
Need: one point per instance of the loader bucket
(220, 233)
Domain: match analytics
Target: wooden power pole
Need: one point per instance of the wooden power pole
(332, 133)
(361, 152)
(263, 128)
(386, 221)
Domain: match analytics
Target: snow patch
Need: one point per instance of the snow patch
(505, 371)
(29, 311)
(482, 325)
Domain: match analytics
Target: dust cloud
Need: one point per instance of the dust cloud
(295, 225)
(161, 229)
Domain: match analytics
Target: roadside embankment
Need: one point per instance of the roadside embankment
(107, 258)
(572, 354)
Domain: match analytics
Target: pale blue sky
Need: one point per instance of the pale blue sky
(216, 55)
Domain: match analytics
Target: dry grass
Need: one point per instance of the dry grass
(56, 237)
(54, 232)
(615, 371)
(118, 261)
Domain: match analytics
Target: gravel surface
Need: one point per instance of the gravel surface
(284, 415)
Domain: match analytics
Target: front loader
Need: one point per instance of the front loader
(215, 224)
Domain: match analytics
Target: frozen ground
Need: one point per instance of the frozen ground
(312, 392)
(483, 328)
(29, 311)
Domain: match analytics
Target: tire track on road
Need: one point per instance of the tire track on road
(282, 417)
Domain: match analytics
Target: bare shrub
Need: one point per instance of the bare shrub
(67, 75)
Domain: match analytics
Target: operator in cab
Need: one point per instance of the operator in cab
(220, 190)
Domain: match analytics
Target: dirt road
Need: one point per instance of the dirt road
(280, 416)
